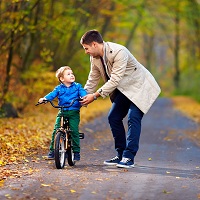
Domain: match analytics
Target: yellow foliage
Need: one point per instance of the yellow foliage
(31, 133)
(188, 106)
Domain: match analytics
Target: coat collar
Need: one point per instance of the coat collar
(107, 56)
(107, 51)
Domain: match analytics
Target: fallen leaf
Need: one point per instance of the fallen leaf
(15, 188)
(166, 192)
(10, 145)
(167, 139)
(89, 130)
(150, 159)
(1, 162)
(72, 191)
(13, 158)
(1, 183)
(99, 179)
(45, 185)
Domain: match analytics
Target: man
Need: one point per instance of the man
(131, 87)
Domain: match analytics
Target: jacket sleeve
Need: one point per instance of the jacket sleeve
(52, 95)
(82, 91)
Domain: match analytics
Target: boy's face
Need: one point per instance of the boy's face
(68, 77)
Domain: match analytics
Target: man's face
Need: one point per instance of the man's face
(91, 49)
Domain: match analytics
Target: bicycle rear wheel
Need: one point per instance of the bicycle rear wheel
(69, 152)
(60, 142)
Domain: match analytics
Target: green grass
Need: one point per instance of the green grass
(189, 85)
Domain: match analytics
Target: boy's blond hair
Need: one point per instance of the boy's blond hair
(60, 72)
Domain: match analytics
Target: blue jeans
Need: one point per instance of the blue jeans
(125, 146)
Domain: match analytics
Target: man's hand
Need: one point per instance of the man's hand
(87, 99)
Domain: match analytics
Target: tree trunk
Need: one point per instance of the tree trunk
(27, 60)
(135, 24)
(148, 50)
(107, 20)
(176, 49)
(196, 27)
(132, 32)
(9, 62)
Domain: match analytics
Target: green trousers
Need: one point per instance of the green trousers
(74, 120)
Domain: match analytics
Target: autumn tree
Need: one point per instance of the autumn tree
(38, 36)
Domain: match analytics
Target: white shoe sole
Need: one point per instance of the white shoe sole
(109, 164)
(125, 166)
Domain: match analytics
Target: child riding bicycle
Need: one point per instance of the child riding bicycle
(66, 92)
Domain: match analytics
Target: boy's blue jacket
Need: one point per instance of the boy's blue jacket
(66, 94)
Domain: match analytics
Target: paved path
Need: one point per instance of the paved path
(167, 165)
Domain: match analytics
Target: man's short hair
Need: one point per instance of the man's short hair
(91, 36)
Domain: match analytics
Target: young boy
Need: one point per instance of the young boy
(66, 92)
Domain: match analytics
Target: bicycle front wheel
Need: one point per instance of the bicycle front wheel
(60, 141)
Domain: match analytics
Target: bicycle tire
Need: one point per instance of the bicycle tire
(60, 141)
(70, 155)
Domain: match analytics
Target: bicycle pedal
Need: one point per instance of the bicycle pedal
(81, 135)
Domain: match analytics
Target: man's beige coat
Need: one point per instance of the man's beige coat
(126, 74)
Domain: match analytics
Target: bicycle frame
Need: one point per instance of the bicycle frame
(63, 145)
(65, 128)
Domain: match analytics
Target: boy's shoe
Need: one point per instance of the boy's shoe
(126, 163)
(77, 156)
(51, 154)
(113, 161)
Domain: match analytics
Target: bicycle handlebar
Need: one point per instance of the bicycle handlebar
(72, 102)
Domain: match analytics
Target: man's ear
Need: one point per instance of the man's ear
(95, 44)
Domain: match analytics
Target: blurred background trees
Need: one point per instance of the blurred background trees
(39, 36)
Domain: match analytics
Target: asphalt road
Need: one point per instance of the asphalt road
(167, 165)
